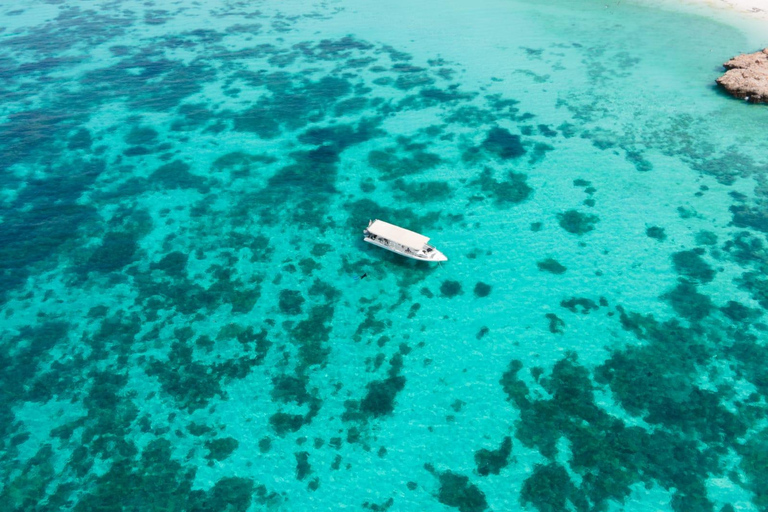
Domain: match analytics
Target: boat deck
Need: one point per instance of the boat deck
(428, 253)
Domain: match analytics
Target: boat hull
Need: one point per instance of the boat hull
(434, 256)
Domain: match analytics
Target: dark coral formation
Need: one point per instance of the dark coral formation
(550, 489)
(656, 232)
(552, 266)
(503, 144)
(513, 190)
(457, 491)
(597, 443)
(576, 222)
(220, 449)
(646, 386)
(556, 324)
(491, 462)
(450, 289)
(379, 399)
(482, 289)
(690, 264)
(581, 305)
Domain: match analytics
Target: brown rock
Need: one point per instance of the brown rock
(747, 76)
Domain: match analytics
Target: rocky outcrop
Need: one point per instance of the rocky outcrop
(747, 77)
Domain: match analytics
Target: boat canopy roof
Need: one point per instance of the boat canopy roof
(397, 234)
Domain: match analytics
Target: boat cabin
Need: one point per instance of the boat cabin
(401, 241)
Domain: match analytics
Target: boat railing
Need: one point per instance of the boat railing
(425, 252)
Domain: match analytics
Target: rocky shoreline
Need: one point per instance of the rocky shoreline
(747, 77)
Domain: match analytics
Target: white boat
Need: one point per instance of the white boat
(401, 241)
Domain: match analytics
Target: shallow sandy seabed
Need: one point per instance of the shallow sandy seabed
(182, 326)
(753, 9)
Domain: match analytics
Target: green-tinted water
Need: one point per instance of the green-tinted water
(184, 192)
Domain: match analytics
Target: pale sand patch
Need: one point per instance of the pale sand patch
(749, 16)
(755, 8)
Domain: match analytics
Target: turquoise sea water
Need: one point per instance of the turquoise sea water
(184, 189)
